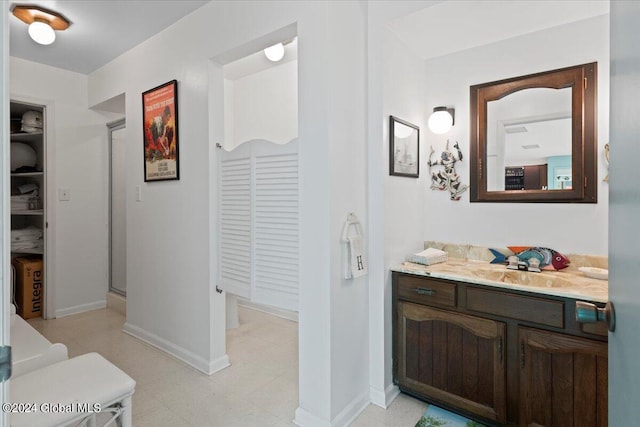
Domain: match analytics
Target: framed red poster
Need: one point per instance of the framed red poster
(160, 130)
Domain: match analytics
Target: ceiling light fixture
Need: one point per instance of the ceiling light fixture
(441, 120)
(41, 32)
(43, 23)
(275, 53)
(515, 129)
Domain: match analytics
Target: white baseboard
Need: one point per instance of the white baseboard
(280, 312)
(384, 398)
(352, 411)
(202, 365)
(307, 419)
(218, 365)
(81, 308)
(344, 418)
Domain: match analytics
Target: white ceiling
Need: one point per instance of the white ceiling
(100, 31)
(541, 140)
(456, 25)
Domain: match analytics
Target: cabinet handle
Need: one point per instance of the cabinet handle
(424, 291)
(522, 354)
(500, 349)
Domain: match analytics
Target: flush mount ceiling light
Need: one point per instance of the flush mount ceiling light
(515, 129)
(43, 23)
(441, 120)
(275, 53)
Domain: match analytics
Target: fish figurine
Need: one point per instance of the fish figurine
(549, 259)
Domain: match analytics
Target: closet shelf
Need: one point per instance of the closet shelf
(28, 212)
(27, 174)
(25, 136)
(29, 178)
(29, 252)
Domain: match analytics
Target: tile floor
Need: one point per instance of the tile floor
(259, 389)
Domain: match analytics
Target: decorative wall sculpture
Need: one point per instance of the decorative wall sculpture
(447, 179)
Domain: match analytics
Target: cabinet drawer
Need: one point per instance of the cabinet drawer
(599, 328)
(544, 312)
(427, 291)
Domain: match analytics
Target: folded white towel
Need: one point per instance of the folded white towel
(429, 256)
(29, 233)
(31, 245)
(356, 256)
(20, 202)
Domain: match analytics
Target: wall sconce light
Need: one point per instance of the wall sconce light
(441, 120)
(43, 23)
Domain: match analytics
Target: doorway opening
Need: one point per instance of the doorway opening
(258, 210)
(259, 184)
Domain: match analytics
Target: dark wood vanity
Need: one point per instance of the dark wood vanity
(499, 356)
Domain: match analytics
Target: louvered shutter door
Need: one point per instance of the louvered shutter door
(259, 217)
(235, 226)
(276, 230)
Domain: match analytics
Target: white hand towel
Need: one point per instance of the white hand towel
(429, 256)
(356, 256)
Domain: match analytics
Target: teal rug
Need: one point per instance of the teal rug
(438, 417)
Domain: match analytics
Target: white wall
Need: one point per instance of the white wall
(381, 78)
(568, 228)
(404, 197)
(347, 172)
(171, 259)
(404, 208)
(264, 106)
(79, 162)
(168, 286)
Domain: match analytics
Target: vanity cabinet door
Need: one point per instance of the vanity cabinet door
(452, 359)
(563, 380)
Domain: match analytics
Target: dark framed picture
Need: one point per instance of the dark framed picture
(160, 130)
(404, 148)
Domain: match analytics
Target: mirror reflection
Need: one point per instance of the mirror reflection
(404, 148)
(529, 140)
(406, 145)
(533, 137)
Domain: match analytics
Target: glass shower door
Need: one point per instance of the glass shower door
(118, 223)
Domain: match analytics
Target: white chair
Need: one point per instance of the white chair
(30, 350)
(65, 393)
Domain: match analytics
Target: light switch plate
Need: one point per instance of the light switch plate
(64, 194)
(138, 193)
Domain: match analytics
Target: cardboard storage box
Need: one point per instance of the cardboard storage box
(29, 286)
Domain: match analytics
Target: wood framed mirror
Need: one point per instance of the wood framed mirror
(533, 138)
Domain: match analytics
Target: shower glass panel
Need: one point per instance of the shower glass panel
(118, 225)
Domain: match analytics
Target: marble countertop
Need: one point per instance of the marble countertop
(564, 283)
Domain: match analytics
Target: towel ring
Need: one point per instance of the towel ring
(352, 219)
